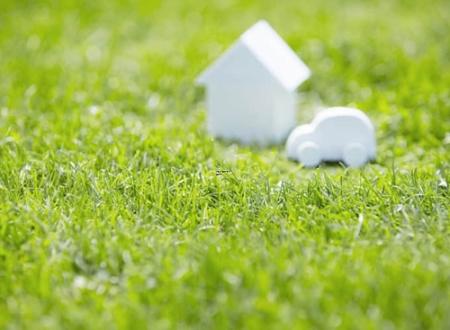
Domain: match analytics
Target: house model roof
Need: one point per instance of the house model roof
(272, 52)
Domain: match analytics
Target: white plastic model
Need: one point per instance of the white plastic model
(336, 134)
(251, 89)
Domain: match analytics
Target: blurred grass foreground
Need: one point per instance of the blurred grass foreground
(118, 211)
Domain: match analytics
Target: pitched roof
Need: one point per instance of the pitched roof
(271, 51)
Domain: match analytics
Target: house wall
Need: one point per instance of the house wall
(242, 113)
(285, 114)
(250, 113)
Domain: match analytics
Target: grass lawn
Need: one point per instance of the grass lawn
(111, 212)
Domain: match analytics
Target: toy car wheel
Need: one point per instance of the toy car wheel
(308, 154)
(293, 141)
(355, 155)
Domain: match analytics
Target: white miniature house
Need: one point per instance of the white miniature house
(251, 92)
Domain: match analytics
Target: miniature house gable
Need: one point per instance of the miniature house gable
(251, 89)
(282, 63)
(267, 47)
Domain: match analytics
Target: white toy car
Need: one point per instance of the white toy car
(335, 134)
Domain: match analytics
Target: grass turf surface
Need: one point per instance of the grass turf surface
(112, 215)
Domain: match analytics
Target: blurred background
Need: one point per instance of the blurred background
(387, 57)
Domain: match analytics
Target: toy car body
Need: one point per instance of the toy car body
(335, 134)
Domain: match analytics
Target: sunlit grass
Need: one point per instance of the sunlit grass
(112, 210)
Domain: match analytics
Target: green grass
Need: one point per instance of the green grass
(111, 213)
